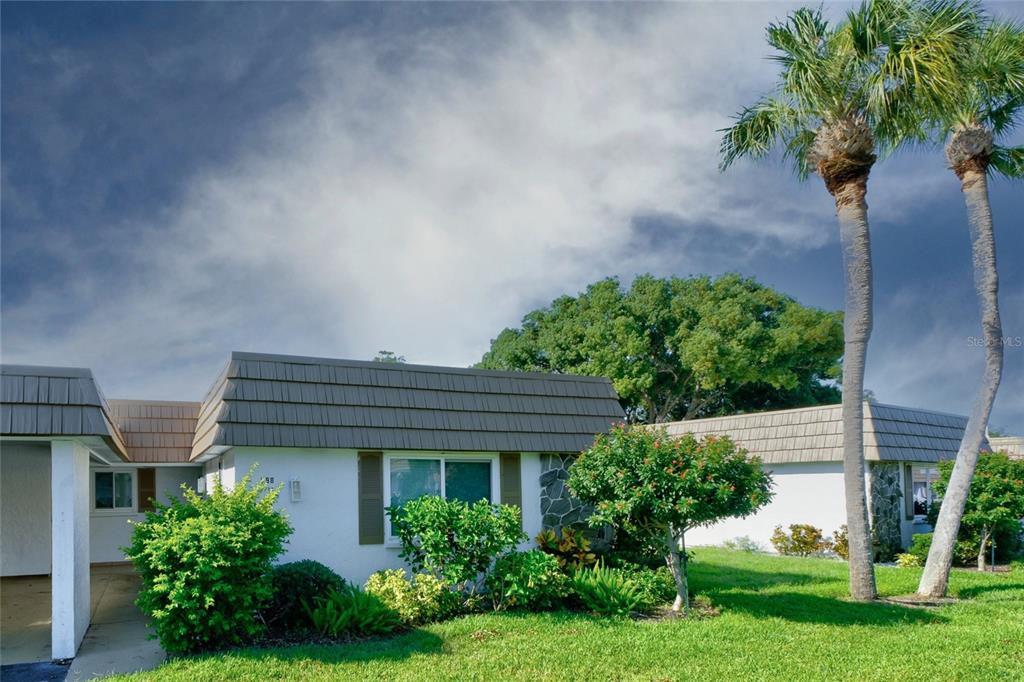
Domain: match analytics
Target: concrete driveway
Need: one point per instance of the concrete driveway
(114, 643)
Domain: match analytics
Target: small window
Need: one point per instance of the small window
(114, 490)
(923, 478)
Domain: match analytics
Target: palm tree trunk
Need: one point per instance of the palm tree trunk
(852, 211)
(974, 183)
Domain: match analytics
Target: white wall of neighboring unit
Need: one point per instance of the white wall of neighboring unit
(804, 493)
(24, 508)
(326, 519)
(111, 530)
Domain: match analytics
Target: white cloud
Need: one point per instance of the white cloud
(430, 189)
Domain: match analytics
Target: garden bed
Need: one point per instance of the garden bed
(781, 618)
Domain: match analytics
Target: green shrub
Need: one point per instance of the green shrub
(527, 580)
(841, 543)
(454, 541)
(351, 611)
(742, 543)
(421, 600)
(606, 591)
(292, 584)
(205, 565)
(655, 586)
(570, 546)
(920, 543)
(802, 539)
(907, 560)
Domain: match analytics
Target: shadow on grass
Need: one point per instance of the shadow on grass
(800, 607)
(984, 590)
(394, 648)
(716, 577)
(752, 592)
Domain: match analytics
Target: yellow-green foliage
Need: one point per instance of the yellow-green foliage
(803, 539)
(421, 600)
(908, 560)
(527, 580)
(205, 565)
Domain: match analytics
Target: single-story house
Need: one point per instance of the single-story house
(345, 438)
(803, 449)
(1011, 445)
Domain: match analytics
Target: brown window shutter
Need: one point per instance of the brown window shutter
(908, 491)
(147, 488)
(511, 481)
(371, 498)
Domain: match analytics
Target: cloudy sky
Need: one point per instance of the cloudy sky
(182, 180)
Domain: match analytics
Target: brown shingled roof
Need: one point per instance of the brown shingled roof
(156, 430)
(815, 434)
(288, 401)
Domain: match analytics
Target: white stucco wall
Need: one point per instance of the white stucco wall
(804, 493)
(111, 530)
(326, 519)
(69, 543)
(24, 508)
(222, 466)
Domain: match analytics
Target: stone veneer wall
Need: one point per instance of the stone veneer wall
(886, 509)
(558, 507)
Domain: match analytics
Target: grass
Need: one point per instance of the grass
(782, 618)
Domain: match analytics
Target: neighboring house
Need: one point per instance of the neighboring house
(1011, 445)
(803, 449)
(345, 438)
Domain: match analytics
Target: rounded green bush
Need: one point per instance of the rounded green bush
(294, 583)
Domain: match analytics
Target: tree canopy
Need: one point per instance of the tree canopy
(996, 496)
(683, 348)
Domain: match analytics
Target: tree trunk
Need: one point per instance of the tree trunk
(981, 551)
(675, 543)
(935, 579)
(852, 212)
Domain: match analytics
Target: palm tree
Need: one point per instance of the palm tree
(987, 100)
(844, 96)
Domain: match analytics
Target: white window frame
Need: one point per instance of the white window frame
(923, 518)
(482, 457)
(115, 511)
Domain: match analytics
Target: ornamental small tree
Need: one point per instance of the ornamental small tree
(658, 486)
(995, 500)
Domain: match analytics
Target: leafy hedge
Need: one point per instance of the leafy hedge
(205, 565)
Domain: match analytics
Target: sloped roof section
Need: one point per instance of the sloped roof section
(815, 434)
(156, 431)
(288, 401)
(55, 401)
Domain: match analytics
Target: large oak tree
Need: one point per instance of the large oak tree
(683, 348)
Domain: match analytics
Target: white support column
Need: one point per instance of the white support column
(69, 576)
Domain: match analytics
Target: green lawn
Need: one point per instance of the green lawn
(782, 618)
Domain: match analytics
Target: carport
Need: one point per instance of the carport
(53, 423)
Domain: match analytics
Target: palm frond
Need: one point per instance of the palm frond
(757, 130)
(1007, 161)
